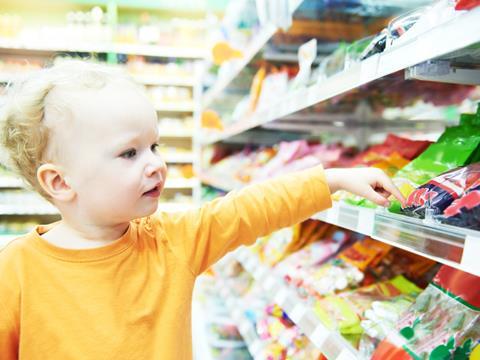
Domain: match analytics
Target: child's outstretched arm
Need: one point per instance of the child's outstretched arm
(201, 237)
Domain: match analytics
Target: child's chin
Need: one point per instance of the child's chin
(149, 210)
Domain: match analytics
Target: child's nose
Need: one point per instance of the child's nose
(155, 165)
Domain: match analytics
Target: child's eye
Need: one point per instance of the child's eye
(155, 147)
(130, 153)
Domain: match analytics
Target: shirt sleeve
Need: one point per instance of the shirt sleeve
(201, 237)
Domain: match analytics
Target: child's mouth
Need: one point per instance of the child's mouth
(155, 192)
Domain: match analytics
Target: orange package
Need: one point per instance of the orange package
(365, 253)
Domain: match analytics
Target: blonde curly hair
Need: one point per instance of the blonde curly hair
(24, 133)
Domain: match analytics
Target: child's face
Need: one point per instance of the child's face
(109, 154)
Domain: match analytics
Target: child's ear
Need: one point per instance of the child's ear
(51, 179)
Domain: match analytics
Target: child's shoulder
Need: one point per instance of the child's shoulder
(13, 257)
(15, 248)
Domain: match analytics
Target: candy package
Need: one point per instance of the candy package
(344, 311)
(297, 267)
(283, 339)
(458, 146)
(465, 212)
(271, 248)
(332, 277)
(315, 252)
(438, 193)
(390, 156)
(416, 268)
(365, 253)
(443, 323)
(466, 4)
(379, 321)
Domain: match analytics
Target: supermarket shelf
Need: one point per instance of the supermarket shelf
(329, 342)
(245, 327)
(162, 80)
(201, 348)
(178, 107)
(35, 209)
(215, 182)
(6, 77)
(450, 245)
(185, 158)
(454, 76)
(181, 183)
(434, 43)
(11, 182)
(169, 133)
(252, 49)
(12, 45)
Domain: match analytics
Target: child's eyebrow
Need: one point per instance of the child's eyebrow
(132, 140)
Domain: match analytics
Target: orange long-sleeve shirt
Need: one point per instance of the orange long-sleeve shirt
(132, 298)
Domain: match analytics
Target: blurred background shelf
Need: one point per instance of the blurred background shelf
(330, 343)
(11, 182)
(23, 47)
(181, 183)
(186, 158)
(245, 327)
(180, 107)
(27, 209)
(397, 57)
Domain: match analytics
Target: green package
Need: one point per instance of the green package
(457, 146)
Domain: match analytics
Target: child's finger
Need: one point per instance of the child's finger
(376, 197)
(389, 186)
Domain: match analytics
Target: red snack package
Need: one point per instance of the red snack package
(466, 4)
(465, 212)
(440, 192)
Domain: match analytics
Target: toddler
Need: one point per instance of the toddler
(113, 278)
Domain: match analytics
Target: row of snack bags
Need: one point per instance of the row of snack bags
(441, 179)
(279, 337)
(378, 297)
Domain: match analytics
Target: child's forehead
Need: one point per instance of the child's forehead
(116, 110)
(116, 103)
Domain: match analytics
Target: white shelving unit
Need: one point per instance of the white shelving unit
(450, 245)
(13, 45)
(11, 182)
(6, 77)
(32, 209)
(252, 49)
(245, 327)
(453, 246)
(180, 158)
(183, 107)
(181, 183)
(431, 44)
(163, 80)
(169, 133)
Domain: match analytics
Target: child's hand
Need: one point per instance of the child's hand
(370, 183)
